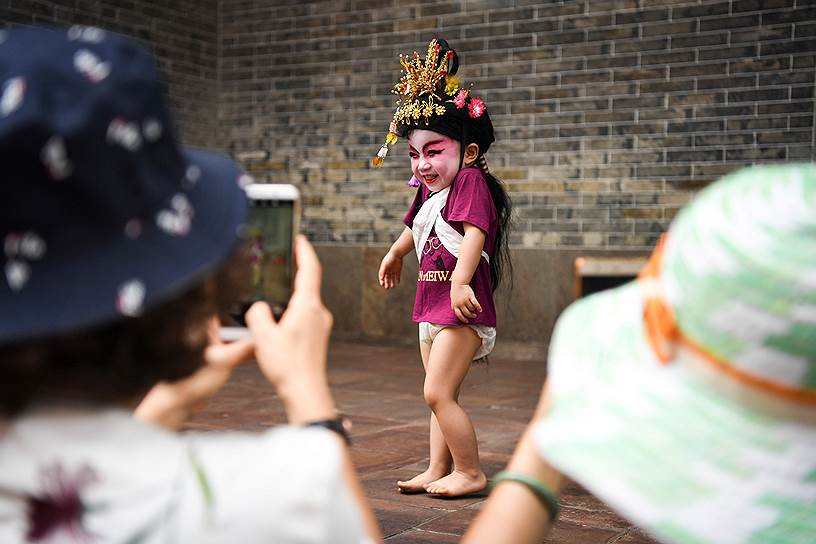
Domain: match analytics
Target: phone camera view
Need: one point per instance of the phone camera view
(269, 237)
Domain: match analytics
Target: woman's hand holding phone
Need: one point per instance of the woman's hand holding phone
(292, 352)
(170, 404)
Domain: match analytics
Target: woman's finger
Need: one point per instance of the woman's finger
(307, 278)
(230, 355)
(259, 318)
(213, 331)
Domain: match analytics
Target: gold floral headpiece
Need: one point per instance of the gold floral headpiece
(420, 87)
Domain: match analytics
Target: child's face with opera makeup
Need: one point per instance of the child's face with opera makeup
(434, 158)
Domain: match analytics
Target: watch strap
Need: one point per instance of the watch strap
(340, 425)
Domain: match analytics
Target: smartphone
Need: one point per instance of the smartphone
(274, 220)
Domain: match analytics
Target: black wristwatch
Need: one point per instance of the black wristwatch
(341, 425)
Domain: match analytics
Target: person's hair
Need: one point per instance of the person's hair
(500, 264)
(119, 360)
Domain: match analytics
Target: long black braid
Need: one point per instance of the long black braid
(501, 263)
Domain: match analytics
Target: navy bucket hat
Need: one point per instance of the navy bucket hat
(102, 213)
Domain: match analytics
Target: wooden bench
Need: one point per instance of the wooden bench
(593, 274)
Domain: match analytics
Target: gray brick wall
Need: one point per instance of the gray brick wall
(182, 34)
(609, 114)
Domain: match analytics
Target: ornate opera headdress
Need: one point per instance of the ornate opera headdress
(431, 98)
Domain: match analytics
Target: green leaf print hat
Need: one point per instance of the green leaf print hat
(686, 399)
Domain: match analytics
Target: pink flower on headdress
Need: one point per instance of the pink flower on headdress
(460, 98)
(476, 107)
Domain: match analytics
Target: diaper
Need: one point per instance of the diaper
(428, 331)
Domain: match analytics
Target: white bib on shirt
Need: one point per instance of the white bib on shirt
(429, 218)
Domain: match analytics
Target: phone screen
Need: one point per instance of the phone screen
(273, 220)
(270, 251)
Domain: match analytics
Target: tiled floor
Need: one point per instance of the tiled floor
(380, 387)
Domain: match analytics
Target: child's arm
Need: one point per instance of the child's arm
(463, 300)
(391, 265)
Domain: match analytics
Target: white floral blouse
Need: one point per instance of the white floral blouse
(78, 475)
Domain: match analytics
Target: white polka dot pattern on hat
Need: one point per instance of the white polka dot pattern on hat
(17, 274)
(55, 158)
(89, 34)
(125, 134)
(13, 92)
(20, 248)
(91, 66)
(152, 129)
(191, 176)
(176, 220)
(130, 298)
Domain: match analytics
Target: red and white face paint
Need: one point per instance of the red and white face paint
(434, 158)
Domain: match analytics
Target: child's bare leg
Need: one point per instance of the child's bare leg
(440, 462)
(448, 363)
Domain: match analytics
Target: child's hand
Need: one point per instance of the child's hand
(463, 302)
(390, 270)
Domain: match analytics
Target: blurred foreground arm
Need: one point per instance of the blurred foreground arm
(170, 404)
(513, 514)
(292, 354)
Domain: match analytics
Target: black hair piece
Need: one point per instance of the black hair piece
(453, 63)
(501, 265)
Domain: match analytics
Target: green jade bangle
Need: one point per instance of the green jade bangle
(541, 491)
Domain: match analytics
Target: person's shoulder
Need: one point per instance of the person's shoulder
(291, 434)
(296, 448)
(279, 483)
(471, 174)
(469, 180)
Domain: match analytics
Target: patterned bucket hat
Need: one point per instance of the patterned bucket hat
(687, 399)
(102, 213)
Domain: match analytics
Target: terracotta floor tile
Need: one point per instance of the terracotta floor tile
(635, 536)
(454, 523)
(395, 517)
(422, 537)
(567, 532)
(380, 389)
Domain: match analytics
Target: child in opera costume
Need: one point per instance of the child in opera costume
(457, 225)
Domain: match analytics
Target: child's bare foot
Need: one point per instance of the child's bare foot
(417, 483)
(457, 484)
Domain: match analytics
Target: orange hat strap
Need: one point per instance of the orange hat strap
(661, 327)
(664, 335)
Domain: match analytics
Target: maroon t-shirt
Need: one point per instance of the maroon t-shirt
(469, 201)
